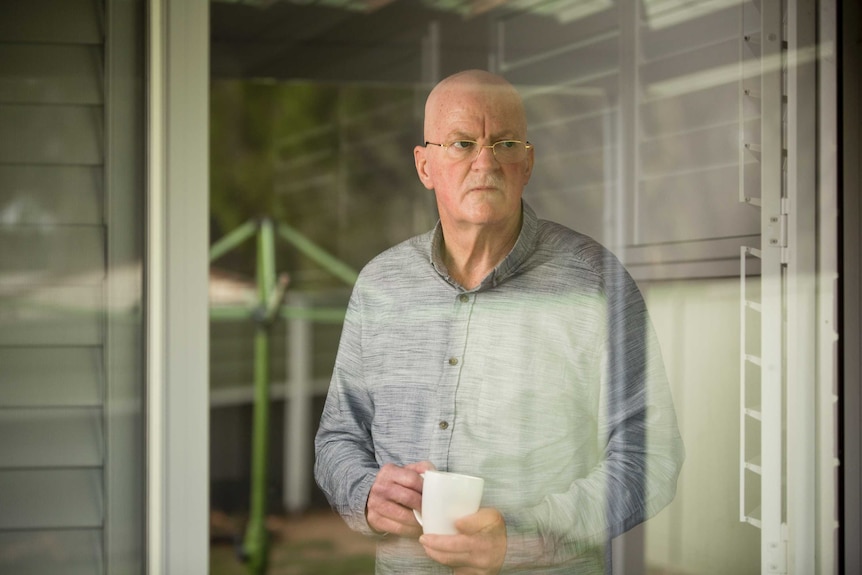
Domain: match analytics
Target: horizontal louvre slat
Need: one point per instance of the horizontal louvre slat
(716, 59)
(526, 35)
(51, 499)
(57, 254)
(560, 169)
(575, 135)
(685, 270)
(70, 315)
(689, 111)
(699, 195)
(58, 437)
(693, 33)
(50, 74)
(546, 110)
(48, 134)
(724, 248)
(50, 376)
(569, 66)
(70, 552)
(51, 194)
(579, 207)
(51, 21)
(699, 149)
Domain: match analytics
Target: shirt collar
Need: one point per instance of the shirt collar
(524, 246)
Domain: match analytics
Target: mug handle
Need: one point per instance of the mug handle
(418, 514)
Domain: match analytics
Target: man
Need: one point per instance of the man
(501, 346)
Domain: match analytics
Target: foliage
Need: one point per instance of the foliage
(333, 161)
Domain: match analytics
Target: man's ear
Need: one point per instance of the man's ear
(422, 166)
(528, 165)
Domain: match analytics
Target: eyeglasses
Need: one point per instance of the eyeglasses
(506, 151)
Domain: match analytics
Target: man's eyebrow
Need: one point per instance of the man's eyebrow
(456, 136)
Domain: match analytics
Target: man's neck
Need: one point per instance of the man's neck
(470, 254)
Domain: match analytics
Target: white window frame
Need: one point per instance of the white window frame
(177, 275)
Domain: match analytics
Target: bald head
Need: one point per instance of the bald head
(477, 88)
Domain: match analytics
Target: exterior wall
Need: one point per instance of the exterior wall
(71, 244)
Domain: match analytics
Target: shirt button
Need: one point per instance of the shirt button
(444, 425)
(464, 298)
(453, 361)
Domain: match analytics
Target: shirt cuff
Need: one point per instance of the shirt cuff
(524, 545)
(355, 517)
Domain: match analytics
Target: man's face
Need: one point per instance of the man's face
(480, 190)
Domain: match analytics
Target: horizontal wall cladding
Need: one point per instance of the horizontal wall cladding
(61, 134)
(50, 74)
(52, 21)
(51, 315)
(51, 254)
(51, 437)
(51, 499)
(53, 308)
(232, 352)
(51, 195)
(47, 552)
(51, 376)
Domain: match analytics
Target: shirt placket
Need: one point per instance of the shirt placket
(446, 421)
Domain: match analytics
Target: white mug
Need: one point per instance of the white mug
(447, 497)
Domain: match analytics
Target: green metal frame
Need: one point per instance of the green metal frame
(271, 290)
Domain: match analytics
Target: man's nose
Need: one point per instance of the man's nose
(485, 156)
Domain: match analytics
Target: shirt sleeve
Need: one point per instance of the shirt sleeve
(642, 451)
(345, 466)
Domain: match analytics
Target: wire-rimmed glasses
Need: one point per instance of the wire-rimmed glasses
(506, 151)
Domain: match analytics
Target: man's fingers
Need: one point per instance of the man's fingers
(483, 520)
(420, 466)
(396, 492)
(398, 484)
(479, 547)
(451, 550)
(388, 525)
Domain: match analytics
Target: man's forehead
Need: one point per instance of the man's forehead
(475, 90)
(465, 112)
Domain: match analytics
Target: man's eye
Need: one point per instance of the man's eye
(462, 144)
(507, 144)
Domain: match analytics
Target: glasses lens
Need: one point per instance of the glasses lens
(510, 151)
(506, 151)
(462, 149)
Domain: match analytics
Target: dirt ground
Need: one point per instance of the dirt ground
(313, 543)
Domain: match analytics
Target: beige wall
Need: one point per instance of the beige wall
(700, 533)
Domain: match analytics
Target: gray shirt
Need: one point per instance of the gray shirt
(546, 380)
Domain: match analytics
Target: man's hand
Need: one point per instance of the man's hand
(478, 549)
(396, 492)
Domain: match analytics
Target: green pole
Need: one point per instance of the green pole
(232, 240)
(329, 262)
(256, 540)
